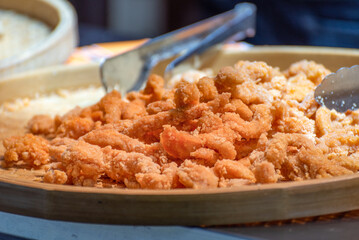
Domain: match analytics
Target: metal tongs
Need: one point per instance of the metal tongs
(129, 71)
(340, 90)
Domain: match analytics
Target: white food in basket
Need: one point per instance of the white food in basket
(19, 33)
(55, 103)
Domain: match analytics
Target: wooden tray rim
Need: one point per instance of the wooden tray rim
(119, 191)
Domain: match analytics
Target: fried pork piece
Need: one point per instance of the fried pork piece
(84, 163)
(261, 122)
(152, 92)
(252, 93)
(186, 95)
(299, 86)
(134, 109)
(315, 72)
(154, 88)
(110, 106)
(167, 179)
(251, 82)
(291, 120)
(245, 147)
(75, 127)
(298, 158)
(27, 150)
(257, 71)
(209, 122)
(265, 172)
(230, 169)
(58, 146)
(228, 78)
(55, 176)
(342, 147)
(41, 124)
(196, 176)
(330, 122)
(207, 89)
(149, 128)
(325, 121)
(160, 106)
(237, 106)
(179, 144)
(308, 106)
(110, 137)
(220, 144)
(205, 156)
(349, 161)
(122, 166)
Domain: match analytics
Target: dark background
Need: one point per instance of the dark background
(288, 22)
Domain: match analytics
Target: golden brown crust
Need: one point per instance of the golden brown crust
(28, 150)
(41, 124)
(196, 176)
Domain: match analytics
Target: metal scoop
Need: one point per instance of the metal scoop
(128, 71)
(340, 90)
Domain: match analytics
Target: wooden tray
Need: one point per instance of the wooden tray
(21, 195)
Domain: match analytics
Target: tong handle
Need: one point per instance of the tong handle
(242, 25)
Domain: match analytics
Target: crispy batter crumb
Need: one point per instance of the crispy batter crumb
(28, 150)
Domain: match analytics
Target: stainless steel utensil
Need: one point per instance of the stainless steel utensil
(340, 90)
(128, 71)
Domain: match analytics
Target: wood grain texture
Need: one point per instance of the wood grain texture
(22, 192)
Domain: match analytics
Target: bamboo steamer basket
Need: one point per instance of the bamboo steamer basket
(60, 16)
(20, 194)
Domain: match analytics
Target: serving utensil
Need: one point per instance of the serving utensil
(340, 90)
(128, 71)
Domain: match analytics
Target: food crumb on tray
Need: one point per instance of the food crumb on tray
(249, 124)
